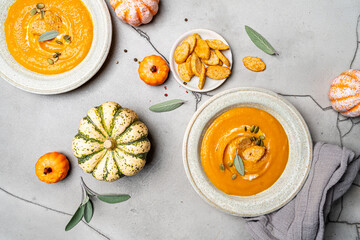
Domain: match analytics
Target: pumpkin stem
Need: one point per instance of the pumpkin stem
(153, 68)
(109, 144)
(47, 170)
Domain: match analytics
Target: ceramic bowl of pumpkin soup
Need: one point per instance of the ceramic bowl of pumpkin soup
(52, 46)
(247, 151)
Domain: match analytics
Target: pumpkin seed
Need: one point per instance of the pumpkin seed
(40, 5)
(33, 12)
(234, 177)
(256, 129)
(262, 143)
(258, 142)
(253, 138)
(50, 61)
(245, 128)
(59, 42)
(56, 59)
(67, 38)
(222, 167)
(262, 137)
(55, 55)
(230, 164)
(42, 14)
(252, 128)
(58, 53)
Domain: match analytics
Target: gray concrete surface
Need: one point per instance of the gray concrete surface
(316, 41)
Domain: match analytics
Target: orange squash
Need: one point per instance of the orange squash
(135, 12)
(153, 70)
(344, 93)
(52, 167)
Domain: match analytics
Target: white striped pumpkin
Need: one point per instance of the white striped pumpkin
(111, 142)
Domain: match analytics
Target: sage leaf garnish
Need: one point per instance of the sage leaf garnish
(76, 218)
(89, 211)
(113, 198)
(49, 35)
(239, 165)
(167, 106)
(86, 208)
(260, 41)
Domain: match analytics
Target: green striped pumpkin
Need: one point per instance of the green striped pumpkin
(111, 142)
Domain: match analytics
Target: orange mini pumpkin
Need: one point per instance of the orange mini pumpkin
(52, 167)
(344, 93)
(135, 12)
(153, 70)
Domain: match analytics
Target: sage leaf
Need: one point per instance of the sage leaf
(48, 35)
(89, 211)
(260, 41)
(239, 165)
(167, 106)
(76, 218)
(113, 198)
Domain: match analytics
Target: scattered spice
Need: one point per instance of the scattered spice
(135, 59)
(165, 87)
(185, 19)
(117, 62)
(185, 83)
(187, 92)
(125, 50)
(165, 95)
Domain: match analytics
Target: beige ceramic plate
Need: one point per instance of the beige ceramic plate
(29, 81)
(192, 85)
(297, 168)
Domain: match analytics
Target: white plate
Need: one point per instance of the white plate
(296, 170)
(192, 85)
(33, 82)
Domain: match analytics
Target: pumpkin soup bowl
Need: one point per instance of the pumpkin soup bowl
(299, 152)
(93, 54)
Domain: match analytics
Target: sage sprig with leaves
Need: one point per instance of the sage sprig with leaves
(86, 208)
(167, 105)
(239, 165)
(260, 41)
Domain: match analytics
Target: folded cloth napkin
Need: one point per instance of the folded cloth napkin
(332, 172)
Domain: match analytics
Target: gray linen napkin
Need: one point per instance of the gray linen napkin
(332, 172)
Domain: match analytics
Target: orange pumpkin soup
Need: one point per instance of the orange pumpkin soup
(27, 20)
(259, 140)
